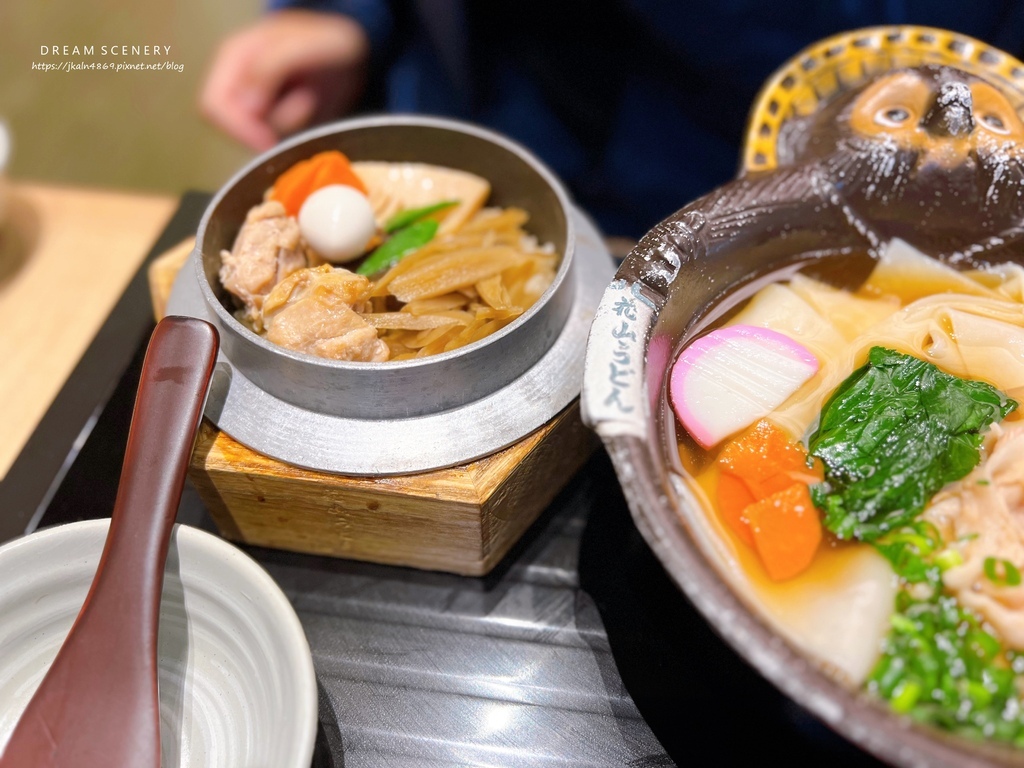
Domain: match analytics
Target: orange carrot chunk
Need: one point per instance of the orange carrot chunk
(292, 188)
(307, 176)
(733, 498)
(767, 460)
(786, 530)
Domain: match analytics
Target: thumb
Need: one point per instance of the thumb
(293, 110)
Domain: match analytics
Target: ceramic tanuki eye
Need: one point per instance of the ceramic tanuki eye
(892, 106)
(993, 114)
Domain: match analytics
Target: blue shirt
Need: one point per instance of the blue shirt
(638, 105)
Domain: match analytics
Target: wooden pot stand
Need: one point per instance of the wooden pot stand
(463, 519)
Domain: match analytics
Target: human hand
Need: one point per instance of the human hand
(288, 70)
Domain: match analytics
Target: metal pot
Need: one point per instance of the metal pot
(404, 416)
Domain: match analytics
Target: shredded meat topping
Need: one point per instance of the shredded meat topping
(983, 516)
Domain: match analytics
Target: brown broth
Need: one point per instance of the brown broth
(849, 273)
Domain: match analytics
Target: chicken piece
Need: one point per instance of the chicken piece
(983, 516)
(314, 311)
(267, 250)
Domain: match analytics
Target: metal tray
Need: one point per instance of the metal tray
(576, 651)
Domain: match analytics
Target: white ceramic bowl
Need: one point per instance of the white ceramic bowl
(237, 687)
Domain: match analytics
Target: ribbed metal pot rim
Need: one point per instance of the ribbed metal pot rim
(383, 447)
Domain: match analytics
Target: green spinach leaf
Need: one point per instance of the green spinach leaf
(892, 434)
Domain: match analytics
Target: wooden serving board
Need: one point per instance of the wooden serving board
(463, 519)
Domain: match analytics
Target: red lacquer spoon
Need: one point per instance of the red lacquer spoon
(98, 707)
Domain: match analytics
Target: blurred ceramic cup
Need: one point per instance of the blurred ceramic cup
(5, 154)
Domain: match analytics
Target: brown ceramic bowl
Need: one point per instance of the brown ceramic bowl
(643, 450)
(709, 256)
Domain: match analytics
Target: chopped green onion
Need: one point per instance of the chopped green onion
(909, 549)
(948, 558)
(983, 644)
(940, 667)
(1010, 576)
(921, 544)
(905, 696)
(901, 623)
(978, 694)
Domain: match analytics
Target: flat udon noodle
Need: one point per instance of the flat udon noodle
(463, 286)
(904, 271)
(983, 516)
(838, 611)
(1007, 280)
(970, 336)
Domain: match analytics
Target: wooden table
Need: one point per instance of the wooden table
(66, 255)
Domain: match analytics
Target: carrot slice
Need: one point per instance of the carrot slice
(733, 498)
(307, 176)
(335, 168)
(762, 492)
(786, 530)
(292, 188)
